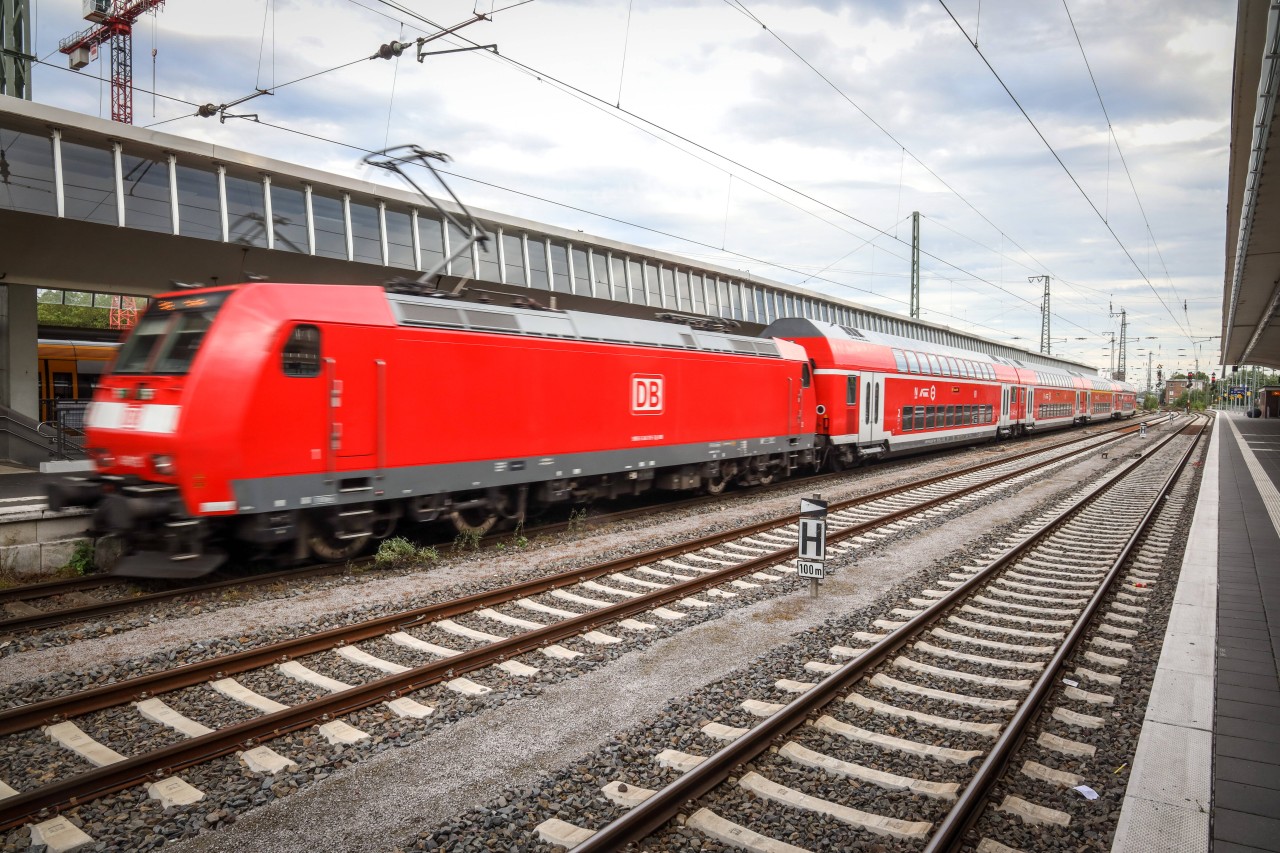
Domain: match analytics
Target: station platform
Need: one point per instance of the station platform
(1206, 776)
(21, 487)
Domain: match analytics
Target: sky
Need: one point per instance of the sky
(793, 140)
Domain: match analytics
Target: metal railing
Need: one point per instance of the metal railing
(61, 438)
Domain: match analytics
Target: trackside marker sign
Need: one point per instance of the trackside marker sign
(646, 394)
(812, 544)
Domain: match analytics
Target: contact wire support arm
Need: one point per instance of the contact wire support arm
(392, 159)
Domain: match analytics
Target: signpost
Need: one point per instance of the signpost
(812, 547)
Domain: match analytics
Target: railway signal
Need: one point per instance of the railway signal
(812, 547)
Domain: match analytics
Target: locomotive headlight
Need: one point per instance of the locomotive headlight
(101, 457)
(120, 393)
(163, 464)
(145, 393)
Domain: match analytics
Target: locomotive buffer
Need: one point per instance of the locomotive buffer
(812, 548)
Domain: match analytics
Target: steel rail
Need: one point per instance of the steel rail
(971, 801)
(58, 587)
(118, 605)
(657, 810)
(162, 762)
(141, 687)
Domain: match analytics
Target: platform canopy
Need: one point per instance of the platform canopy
(1251, 292)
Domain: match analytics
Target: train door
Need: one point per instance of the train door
(871, 423)
(59, 385)
(354, 395)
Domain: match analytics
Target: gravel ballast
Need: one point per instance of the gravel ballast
(413, 776)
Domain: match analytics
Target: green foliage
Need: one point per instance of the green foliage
(518, 539)
(78, 316)
(467, 540)
(398, 552)
(578, 521)
(81, 561)
(1195, 400)
(1150, 402)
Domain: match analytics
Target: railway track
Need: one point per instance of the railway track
(901, 744)
(312, 681)
(34, 606)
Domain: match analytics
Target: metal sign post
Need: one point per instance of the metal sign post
(812, 550)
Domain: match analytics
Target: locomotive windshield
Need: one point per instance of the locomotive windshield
(169, 334)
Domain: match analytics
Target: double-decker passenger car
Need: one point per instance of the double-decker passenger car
(881, 394)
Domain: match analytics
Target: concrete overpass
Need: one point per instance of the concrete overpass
(87, 204)
(1251, 292)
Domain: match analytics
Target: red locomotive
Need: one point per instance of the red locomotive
(307, 420)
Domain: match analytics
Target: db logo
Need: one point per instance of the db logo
(132, 416)
(646, 394)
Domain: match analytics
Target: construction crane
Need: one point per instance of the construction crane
(113, 22)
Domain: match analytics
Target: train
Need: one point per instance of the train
(297, 422)
(68, 371)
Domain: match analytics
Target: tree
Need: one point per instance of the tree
(75, 316)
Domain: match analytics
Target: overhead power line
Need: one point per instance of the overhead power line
(620, 112)
(1123, 162)
(738, 5)
(1057, 157)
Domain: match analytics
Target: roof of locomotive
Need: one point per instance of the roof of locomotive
(575, 325)
(433, 312)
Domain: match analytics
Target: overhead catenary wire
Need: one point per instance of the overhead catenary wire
(844, 214)
(738, 5)
(1120, 153)
(1068, 171)
(660, 232)
(632, 117)
(1040, 268)
(610, 108)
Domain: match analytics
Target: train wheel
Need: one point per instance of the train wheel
(715, 485)
(325, 546)
(473, 522)
(107, 551)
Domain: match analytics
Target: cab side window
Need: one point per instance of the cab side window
(301, 354)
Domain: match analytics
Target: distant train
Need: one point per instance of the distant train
(305, 421)
(69, 371)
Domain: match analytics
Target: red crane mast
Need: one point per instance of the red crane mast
(114, 20)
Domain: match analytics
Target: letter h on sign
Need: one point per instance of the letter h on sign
(813, 539)
(813, 529)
